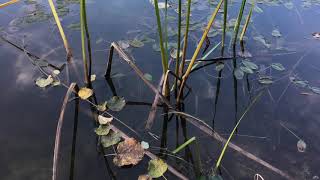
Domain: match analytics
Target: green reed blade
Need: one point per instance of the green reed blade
(236, 28)
(183, 145)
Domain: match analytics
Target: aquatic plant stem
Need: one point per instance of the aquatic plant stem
(225, 16)
(237, 26)
(63, 36)
(246, 23)
(185, 41)
(234, 130)
(196, 53)
(163, 53)
(178, 48)
(183, 145)
(84, 57)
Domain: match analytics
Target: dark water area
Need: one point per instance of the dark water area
(287, 111)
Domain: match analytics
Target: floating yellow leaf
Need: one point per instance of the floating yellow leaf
(157, 167)
(85, 93)
(41, 82)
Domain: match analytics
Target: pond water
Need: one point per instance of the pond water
(279, 35)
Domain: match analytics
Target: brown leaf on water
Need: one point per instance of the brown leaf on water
(129, 152)
(144, 177)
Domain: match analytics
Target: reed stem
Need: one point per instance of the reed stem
(84, 56)
(238, 22)
(225, 16)
(246, 23)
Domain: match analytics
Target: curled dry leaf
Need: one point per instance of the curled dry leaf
(102, 107)
(85, 93)
(104, 120)
(93, 77)
(301, 145)
(157, 167)
(129, 152)
(144, 177)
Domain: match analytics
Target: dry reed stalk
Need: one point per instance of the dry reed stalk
(8, 3)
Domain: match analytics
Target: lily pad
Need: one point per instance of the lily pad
(42, 82)
(148, 76)
(124, 44)
(136, 43)
(85, 93)
(301, 145)
(157, 167)
(111, 139)
(93, 77)
(238, 73)
(174, 52)
(246, 69)
(116, 103)
(315, 90)
(102, 130)
(144, 145)
(278, 66)
(104, 120)
(265, 80)
(129, 152)
(276, 33)
(102, 107)
(250, 64)
(219, 66)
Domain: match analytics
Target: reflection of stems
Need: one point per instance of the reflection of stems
(74, 136)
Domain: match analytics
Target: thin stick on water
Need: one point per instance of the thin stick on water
(58, 131)
(63, 36)
(183, 145)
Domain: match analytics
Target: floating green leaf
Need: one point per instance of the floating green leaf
(238, 73)
(102, 107)
(262, 40)
(116, 103)
(278, 66)
(276, 33)
(157, 167)
(266, 80)
(42, 82)
(148, 76)
(102, 130)
(111, 139)
(246, 69)
(219, 66)
(315, 90)
(250, 64)
(136, 43)
(144, 145)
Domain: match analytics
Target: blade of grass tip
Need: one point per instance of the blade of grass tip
(247, 22)
(8, 3)
(234, 130)
(225, 16)
(205, 33)
(236, 28)
(163, 54)
(184, 145)
(178, 45)
(84, 56)
(185, 45)
(63, 36)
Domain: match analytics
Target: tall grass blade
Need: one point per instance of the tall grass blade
(82, 24)
(246, 23)
(185, 45)
(236, 27)
(203, 38)
(8, 3)
(225, 16)
(178, 46)
(183, 145)
(164, 58)
(234, 130)
(63, 36)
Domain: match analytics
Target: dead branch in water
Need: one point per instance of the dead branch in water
(209, 131)
(71, 89)
(127, 59)
(151, 155)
